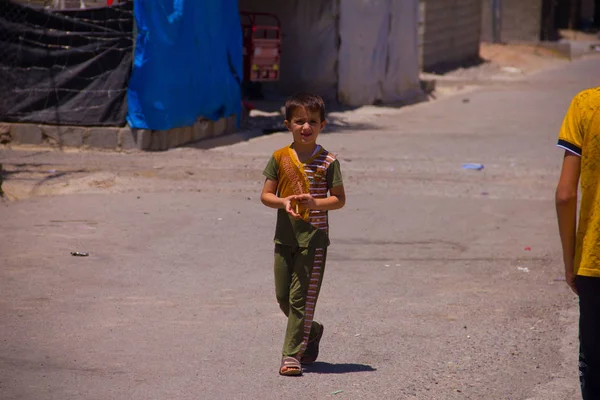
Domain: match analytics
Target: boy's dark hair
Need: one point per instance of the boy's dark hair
(312, 102)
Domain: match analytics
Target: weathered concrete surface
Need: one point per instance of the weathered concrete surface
(112, 138)
(429, 292)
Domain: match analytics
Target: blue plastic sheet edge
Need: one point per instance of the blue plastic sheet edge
(187, 63)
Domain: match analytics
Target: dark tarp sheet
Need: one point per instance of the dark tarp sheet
(187, 64)
(68, 67)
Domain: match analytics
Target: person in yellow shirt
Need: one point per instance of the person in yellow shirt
(580, 138)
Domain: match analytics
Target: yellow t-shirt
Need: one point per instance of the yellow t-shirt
(580, 134)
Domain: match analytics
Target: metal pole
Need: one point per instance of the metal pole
(496, 15)
(493, 18)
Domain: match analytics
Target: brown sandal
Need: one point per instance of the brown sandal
(290, 366)
(312, 349)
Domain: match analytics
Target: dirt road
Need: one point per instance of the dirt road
(441, 283)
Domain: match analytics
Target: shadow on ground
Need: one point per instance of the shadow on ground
(32, 172)
(268, 116)
(446, 67)
(327, 368)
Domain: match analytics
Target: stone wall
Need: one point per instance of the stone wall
(112, 138)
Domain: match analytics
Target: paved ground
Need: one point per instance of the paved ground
(441, 283)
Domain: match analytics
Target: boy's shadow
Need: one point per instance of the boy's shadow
(327, 368)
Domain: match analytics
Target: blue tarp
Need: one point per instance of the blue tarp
(187, 63)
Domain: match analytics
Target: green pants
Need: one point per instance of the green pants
(298, 277)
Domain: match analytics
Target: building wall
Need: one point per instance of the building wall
(310, 44)
(356, 51)
(378, 55)
(588, 13)
(450, 32)
(520, 21)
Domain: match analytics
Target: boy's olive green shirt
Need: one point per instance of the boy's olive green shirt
(316, 176)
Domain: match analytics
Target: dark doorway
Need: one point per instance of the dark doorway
(567, 15)
(549, 31)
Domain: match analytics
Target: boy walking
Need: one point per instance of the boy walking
(303, 182)
(580, 137)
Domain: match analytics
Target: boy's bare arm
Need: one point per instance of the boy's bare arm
(269, 196)
(335, 201)
(270, 199)
(566, 209)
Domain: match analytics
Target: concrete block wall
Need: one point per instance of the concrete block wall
(520, 21)
(110, 138)
(449, 33)
(487, 25)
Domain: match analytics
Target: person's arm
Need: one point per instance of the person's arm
(335, 201)
(566, 210)
(270, 199)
